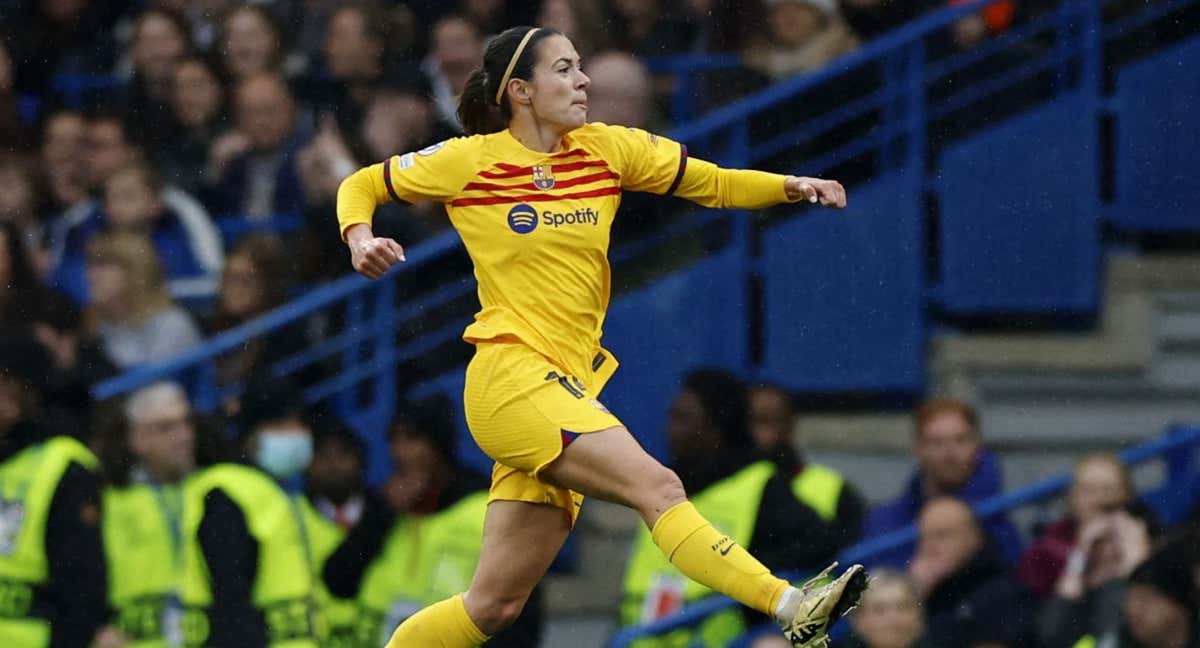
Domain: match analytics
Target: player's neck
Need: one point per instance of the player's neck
(538, 137)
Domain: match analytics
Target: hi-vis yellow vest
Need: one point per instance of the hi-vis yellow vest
(143, 544)
(820, 488)
(425, 559)
(338, 623)
(653, 586)
(283, 587)
(28, 481)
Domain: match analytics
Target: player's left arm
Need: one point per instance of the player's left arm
(655, 164)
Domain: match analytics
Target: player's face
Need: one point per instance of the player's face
(558, 93)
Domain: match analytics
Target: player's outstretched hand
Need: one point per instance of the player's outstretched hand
(830, 193)
(370, 255)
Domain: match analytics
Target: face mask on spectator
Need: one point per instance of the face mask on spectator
(284, 452)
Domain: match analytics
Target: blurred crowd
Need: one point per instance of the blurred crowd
(165, 527)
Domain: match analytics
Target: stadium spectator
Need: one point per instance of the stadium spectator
(13, 133)
(805, 35)
(430, 492)
(837, 503)
(1087, 595)
(621, 91)
(62, 37)
(335, 495)
(22, 296)
(253, 167)
(708, 430)
(335, 482)
(951, 460)
(146, 453)
(251, 43)
(62, 161)
(1159, 608)
(1101, 485)
(131, 311)
(965, 584)
(18, 205)
(357, 55)
(134, 200)
(456, 49)
(577, 19)
(199, 114)
(78, 357)
(245, 550)
(161, 38)
(256, 279)
(650, 28)
(53, 520)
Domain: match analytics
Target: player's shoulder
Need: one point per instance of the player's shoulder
(611, 139)
(602, 132)
(454, 148)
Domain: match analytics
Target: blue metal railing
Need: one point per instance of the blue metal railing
(1177, 448)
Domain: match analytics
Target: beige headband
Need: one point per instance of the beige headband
(512, 63)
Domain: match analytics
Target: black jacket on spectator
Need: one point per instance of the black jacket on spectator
(846, 526)
(788, 535)
(347, 565)
(76, 594)
(982, 603)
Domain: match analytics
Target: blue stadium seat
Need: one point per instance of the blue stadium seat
(844, 294)
(660, 332)
(1156, 142)
(1018, 205)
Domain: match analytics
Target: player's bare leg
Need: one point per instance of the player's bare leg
(520, 540)
(611, 465)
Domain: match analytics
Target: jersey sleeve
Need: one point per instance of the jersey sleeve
(434, 173)
(646, 161)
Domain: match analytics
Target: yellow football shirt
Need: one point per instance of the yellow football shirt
(536, 225)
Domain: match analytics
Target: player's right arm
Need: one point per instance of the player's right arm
(435, 173)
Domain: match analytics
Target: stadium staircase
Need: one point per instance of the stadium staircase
(995, 247)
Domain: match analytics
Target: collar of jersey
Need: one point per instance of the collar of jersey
(511, 142)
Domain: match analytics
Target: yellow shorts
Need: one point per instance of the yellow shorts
(523, 409)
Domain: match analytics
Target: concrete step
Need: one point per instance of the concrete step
(1178, 323)
(1178, 366)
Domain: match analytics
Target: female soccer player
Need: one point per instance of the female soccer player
(532, 192)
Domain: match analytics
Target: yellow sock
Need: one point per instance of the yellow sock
(712, 559)
(444, 624)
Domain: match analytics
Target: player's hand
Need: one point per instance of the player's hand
(372, 256)
(830, 193)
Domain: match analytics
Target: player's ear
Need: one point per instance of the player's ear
(523, 91)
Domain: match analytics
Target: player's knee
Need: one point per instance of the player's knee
(494, 612)
(662, 490)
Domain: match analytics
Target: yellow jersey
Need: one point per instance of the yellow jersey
(536, 225)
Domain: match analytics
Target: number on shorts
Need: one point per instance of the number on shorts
(575, 390)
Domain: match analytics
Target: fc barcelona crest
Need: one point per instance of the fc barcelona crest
(543, 177)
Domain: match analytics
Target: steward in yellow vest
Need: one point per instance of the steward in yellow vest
(52, 576)
(248, 575)
(332, 503)
(419, 539)
(146, 457)
(742, 494)
(825, 491)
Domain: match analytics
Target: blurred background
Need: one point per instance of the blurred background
(983, 375)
